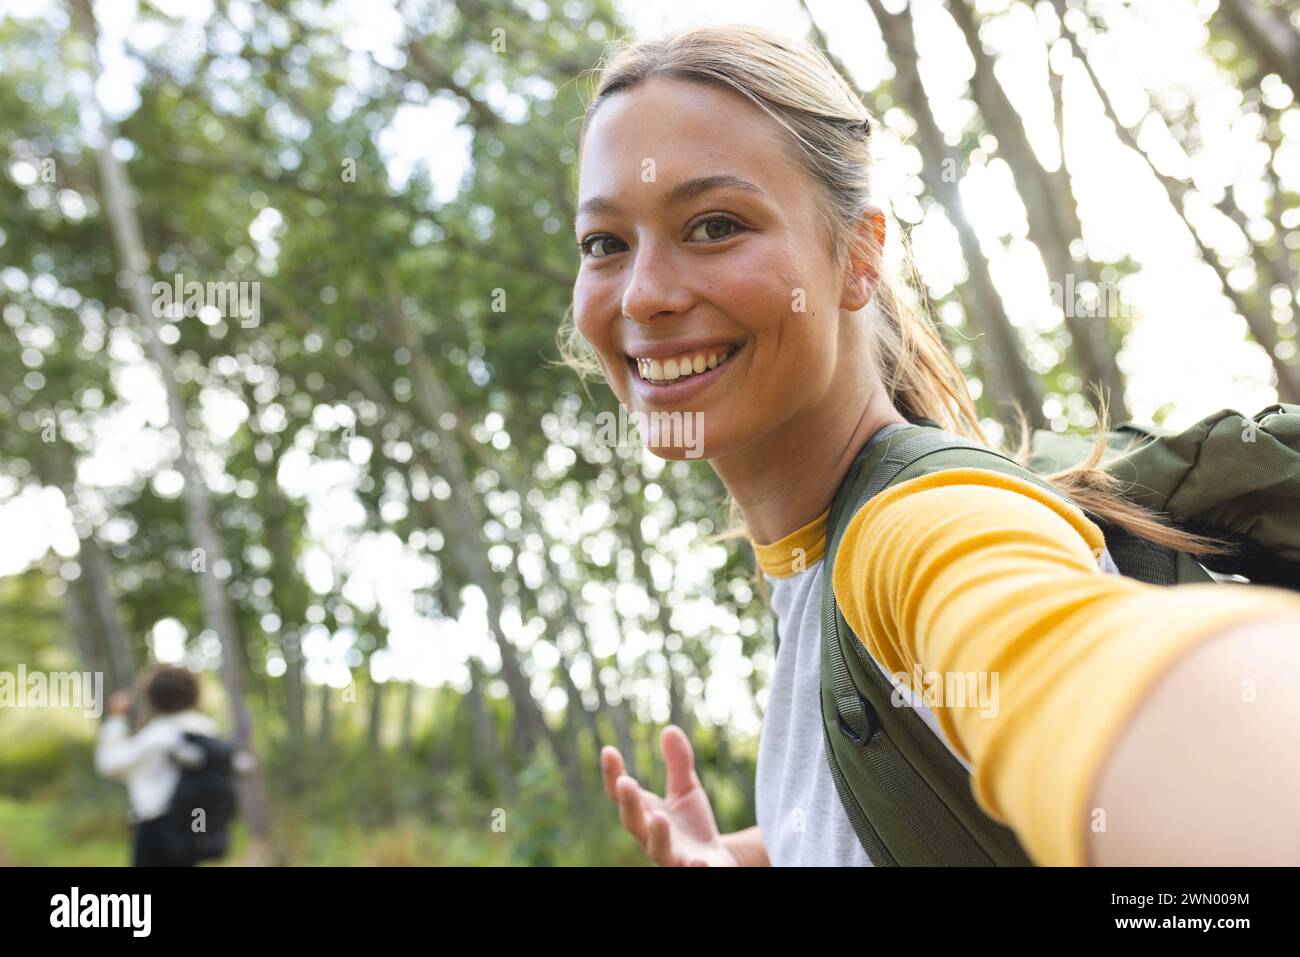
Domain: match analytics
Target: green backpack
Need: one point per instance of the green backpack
(908, 798)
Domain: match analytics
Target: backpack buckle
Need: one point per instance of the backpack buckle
(871, 720)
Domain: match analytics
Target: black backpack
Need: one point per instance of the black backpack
(205, 800)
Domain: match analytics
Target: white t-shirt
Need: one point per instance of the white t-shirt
(143, 760)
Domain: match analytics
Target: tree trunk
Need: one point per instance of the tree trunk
(218, 613)
(445, 734)
(485, 755)
(103, 637)
(82, 636)
(408, 717)
(290, 596)
(1261, 324)
(1269, 36)
(375, 721)
(325, 723)
(1052, 216)
(984, 309)
(104, 612)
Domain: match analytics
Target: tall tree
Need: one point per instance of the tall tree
(1261, 325)
(940, 163)
(134, 263)
(96, 610)
(1273, 38)
(1052, 213)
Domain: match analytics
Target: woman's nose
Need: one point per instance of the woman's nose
(654, 286)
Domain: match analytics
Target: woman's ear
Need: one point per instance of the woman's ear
(863, 270)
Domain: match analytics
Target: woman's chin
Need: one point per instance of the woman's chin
(673, 436)
(673, 453)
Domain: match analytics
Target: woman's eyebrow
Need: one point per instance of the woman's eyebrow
(680, 193)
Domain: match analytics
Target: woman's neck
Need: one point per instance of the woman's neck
(789, 477)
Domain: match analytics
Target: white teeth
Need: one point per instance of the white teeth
(668, 370)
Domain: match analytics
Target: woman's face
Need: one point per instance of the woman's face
(704, 252)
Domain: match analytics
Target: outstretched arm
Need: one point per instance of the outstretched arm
(967, 570)
(1208, 770)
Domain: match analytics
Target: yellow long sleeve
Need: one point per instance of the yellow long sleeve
(968, 571)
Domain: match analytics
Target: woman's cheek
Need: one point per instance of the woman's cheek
(597, 308)
(588, 319)
(771, 310)
(747, 300)
(582, 311)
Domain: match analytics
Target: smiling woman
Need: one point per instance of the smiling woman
(732, 266)
(691, 249)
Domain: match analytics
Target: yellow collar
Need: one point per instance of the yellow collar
(794, 553)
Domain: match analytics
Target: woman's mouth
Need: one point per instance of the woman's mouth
(660, 372)
(669, 382)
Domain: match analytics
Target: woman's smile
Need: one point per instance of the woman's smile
(671, 380)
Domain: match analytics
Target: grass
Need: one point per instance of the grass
(34, 833)
(42, 833)
(354, 809)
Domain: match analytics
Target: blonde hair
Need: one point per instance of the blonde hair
(795, 84)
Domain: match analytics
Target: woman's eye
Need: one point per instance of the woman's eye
(712, 229)
(588, 246)
(713, 226)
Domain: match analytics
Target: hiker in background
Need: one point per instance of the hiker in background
(175, 743)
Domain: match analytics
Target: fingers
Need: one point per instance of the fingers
(651, 828)
(631, 810)
(661, 841)
(679, 760)
(626, 793)
(611, 766)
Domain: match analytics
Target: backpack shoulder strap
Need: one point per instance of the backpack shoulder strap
(917, 451)
(908, 798)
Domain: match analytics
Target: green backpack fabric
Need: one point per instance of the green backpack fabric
(908, 798)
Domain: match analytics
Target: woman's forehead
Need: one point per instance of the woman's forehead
(664, 112)
(668, 131)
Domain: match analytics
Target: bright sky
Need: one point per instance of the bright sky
(1187, 349)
